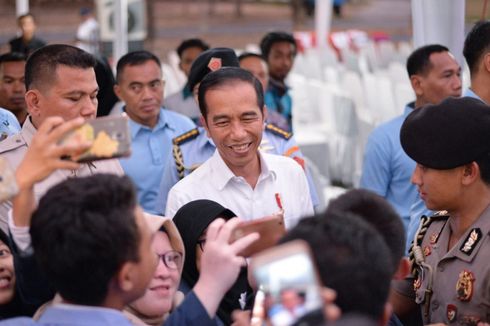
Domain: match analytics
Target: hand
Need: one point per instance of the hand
(241, 317)
(44, 154)
(330, 309)
(220, 263)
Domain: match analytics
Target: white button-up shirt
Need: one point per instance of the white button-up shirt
(215, 181)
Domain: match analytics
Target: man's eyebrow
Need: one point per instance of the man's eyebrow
(220, 116)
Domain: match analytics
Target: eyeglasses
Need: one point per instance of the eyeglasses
(172, 259)
(201, 243)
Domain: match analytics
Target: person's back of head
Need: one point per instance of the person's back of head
(42, 64)
(351, 258)
(477, 45)
(83, 232)
(378, 212)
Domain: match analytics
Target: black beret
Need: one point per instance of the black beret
(209, 61)
(452, 133)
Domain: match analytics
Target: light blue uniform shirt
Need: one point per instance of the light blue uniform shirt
(418, 208)
(65, 315)
(387, 169)
(151, 152)
(9, 124)
(201, 148)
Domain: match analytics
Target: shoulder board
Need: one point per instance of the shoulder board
(440, 215)
(191, 134)
(278, 131)
(11, 143)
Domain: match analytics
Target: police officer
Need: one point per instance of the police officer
(193, 148)
(451, 251)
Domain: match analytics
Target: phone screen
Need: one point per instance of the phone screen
(291, 292)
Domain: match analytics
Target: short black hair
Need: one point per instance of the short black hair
(83, 231)
(41, 65)
(484, 165)
(418, 62)
(191, 43)
(12, 57)
(27, 14)
(351, 258)
(133, 59)
(477, 44)
(378, 212)
(246, 55)
(226, 76)
(275, 37)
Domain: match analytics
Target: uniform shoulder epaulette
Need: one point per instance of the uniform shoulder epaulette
(185, 137)
(11, 143)
(440, 215)
(278, 131)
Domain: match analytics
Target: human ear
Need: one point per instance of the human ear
(32, 98)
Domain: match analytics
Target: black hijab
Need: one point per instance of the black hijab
(191, 221)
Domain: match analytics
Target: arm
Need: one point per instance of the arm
(169, 179)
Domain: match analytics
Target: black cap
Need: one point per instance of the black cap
(452, 133)
(209, 61)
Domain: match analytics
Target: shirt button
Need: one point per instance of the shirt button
(18, 140)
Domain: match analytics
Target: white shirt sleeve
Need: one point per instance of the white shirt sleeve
(20, 234)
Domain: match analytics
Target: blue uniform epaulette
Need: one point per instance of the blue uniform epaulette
(11, 143)
(185, 137)
(278, 131)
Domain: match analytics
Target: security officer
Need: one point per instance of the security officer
(451, 273)
(193, 148)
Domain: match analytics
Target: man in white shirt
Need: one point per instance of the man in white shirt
(238, 176)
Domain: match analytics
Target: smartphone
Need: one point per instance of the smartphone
(8, 186)
(110, 137)
(288, 278)
(270, 228)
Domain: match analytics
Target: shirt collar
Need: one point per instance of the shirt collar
(469, 93)
(186, 92)
(222, 174)
(68, 313)
(28, 130)
(277, 85)
(162, 123)
(409, 108)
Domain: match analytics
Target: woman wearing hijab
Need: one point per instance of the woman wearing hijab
(192, 221)
(161, 296)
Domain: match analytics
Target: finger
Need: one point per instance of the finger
(214, 228)
(49, 123)
(57, 133)
(329, 295)
(227, 229)
(242, 243)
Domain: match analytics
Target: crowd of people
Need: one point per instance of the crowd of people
(149, 239)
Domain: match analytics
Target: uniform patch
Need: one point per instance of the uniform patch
(451, 312)
(433, 238)
(214, 64)
(417, 283)
(185, 137)
(464, 285)
(427, 251)
(471, 241)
